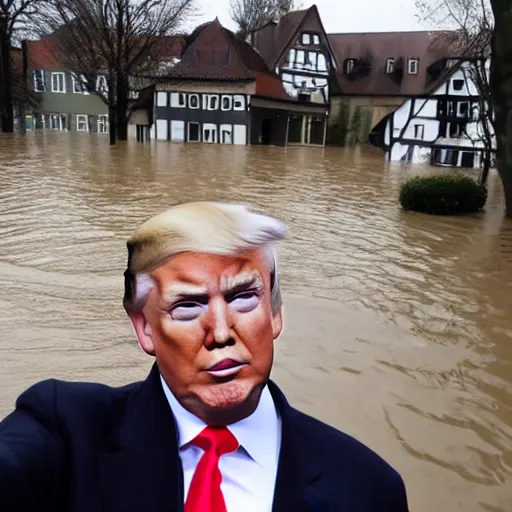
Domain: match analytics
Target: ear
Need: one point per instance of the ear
(143, 331)
(277, 323)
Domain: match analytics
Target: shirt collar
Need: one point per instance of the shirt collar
(264, 424)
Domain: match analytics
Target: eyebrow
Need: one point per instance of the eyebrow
(179, 290)
(241, 282)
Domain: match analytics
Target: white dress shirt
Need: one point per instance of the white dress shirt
(249, 473)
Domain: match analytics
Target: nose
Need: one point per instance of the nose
(220, 321)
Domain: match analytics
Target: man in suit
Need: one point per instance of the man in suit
(207, 431)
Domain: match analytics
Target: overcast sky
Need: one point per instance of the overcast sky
(338, 15)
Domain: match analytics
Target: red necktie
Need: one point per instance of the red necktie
(205, 494)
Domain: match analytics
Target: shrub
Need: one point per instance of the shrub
(443, 195)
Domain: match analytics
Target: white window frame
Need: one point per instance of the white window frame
(177, 125)
(162, 99)
(81, 84)
(413, 66)
(321, 65)
(210, 100)
(63, 75)
(231, 133)
(241, 98)
(390, 65)
(420, 130)
(43, 83)
(190, 96)
(102, 121)
(199, 131)
(81, 116)
(101, 84)
(60, 124)
(230, 102)
(175, 100)
(303, 38)
(239, 134)
(210, 126)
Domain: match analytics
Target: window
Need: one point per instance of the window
(445, 157)
(101, 84)
(238, 102)
(193, 101)
(227, 103)
(458, 85)
(299, 58)
(209, 132)
(306, 39)
(349, 66)
(210, 102)
(226, 134)
(82, 123)
(178, 131)
(463, 109)
(162, 129)
(419, 130)
(291, 58)
(39, 85)
(456, 130)
(58, 82)
(240, 136)
(178, 100)
(58, 122)
(102, 124)
(312, 60)
(322, 62)
(316, 39)
(161, 99)
(194, 134)
(414, 65)
(390, 66)
(79, 85)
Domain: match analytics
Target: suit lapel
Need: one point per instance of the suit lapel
(297, 471)
(141, 469)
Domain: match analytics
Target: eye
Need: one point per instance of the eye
(186, 311)
(245, 302)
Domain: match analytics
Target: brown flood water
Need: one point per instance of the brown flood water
(398, 327)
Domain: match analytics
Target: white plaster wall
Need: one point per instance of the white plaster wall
(398, 151)
(430, 129)
(426, 108)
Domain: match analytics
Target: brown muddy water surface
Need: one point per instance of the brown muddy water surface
(398, 327)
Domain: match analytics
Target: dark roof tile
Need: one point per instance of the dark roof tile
(376, 48)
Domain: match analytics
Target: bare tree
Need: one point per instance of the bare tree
(251, 15)
(107, 44)
(16, 17)
(474, 23)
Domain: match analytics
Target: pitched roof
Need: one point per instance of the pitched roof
(44, 53)
(274, 38)
(376, 48)
(214, 53)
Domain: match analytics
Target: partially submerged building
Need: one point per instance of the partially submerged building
(222, 91)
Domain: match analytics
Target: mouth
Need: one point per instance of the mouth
(226, 368)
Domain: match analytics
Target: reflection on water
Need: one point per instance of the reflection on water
(398, 326)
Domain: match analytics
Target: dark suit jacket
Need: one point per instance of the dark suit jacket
(87, 447)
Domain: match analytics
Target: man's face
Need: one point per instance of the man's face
(209, 323)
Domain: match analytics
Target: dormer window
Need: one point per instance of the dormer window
(414, 66)
(390, 66)
(306, 39)
(349, 66)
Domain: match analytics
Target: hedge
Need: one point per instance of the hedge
(443, 195)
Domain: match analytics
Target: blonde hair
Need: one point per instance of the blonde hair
(216, 228)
